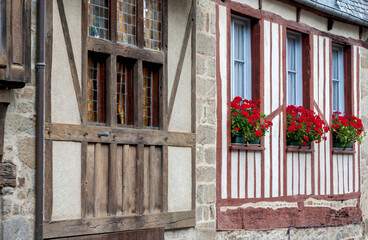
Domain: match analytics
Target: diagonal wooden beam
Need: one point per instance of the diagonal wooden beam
(69, 49)
(180, 65)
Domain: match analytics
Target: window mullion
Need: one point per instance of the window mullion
(111, 90)
(140, 24)
(138, 94)
(113, 20)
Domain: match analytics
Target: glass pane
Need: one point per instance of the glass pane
(291, 89)
(335, 64)
(238, 41)
(126, 24)
(291, 54)
(96, 89)
(152, 24)
(121, 94)
(98, 19)
(335, 96)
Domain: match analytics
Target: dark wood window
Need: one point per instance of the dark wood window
(96, 89)
(124, 93)
(128, 34)
(150, 96)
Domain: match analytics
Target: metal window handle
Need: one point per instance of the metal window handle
(103, 134)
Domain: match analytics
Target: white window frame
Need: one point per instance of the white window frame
(243, 85)
(340, 78)
(297, 88)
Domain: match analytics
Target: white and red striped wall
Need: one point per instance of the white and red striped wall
(275, 172)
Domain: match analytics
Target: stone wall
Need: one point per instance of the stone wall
(18, 204)
(364, 146)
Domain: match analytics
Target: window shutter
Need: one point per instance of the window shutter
(15, 59)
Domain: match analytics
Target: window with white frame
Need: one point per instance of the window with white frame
(338, 78)
(294, 69)
(241, 68)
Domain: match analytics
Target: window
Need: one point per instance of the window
(241, 55)
(125, 73)
(338, 78)
(294, 69)
(96, 88)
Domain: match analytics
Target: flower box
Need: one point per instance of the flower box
(304, 127)
(248, 123)
(346, 130)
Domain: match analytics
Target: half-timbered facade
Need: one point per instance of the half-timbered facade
(132, 123)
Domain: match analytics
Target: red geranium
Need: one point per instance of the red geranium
(347, 128)
(304, 126)
(247, 119)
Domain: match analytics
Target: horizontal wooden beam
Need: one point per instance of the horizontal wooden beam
(124, 50)
(103, 134)
(79, 227)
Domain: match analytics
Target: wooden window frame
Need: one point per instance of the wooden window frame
(137, 55)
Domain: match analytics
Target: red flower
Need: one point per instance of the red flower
(236, 128)
(236, 113)
(258, 133)
(291, 129)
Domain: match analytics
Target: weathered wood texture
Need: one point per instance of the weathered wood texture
(147, 234)
(113, 178)
(15, 59)
(5, 96)
(89, 133)
(119, 223)
(7, 175)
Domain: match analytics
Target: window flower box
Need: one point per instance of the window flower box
(248, 123)
(346, 130)
(304, 127)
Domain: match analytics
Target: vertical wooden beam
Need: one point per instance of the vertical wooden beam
(260, 4)
(298, 13)
(140, 178)
(84, 62)
(112, 182)
(330, 23)
(48, 70)
(111, 90)
(165, 177)
(84, 188)
(5, 97)
(113, 20)
(164, 73)
(48, 203)
(138, 94)
(140, 24)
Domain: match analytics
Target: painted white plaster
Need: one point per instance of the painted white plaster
(66, 160)
(177, 20)
(179, 179)
(272, 205)
(251, 177)
(302, 173)
(242, 174)
(64, 107)
(336, 205)
(275, 92)
(257, 163)
(275, 156)
(309, 174)
(234, 173)
(345, 30)
(251, 3)
(313, 20)
(284, 10)
(267, 67)
(223, 73)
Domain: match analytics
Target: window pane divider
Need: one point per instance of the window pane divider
(111, 89)
(140, 24)
(138, 94)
